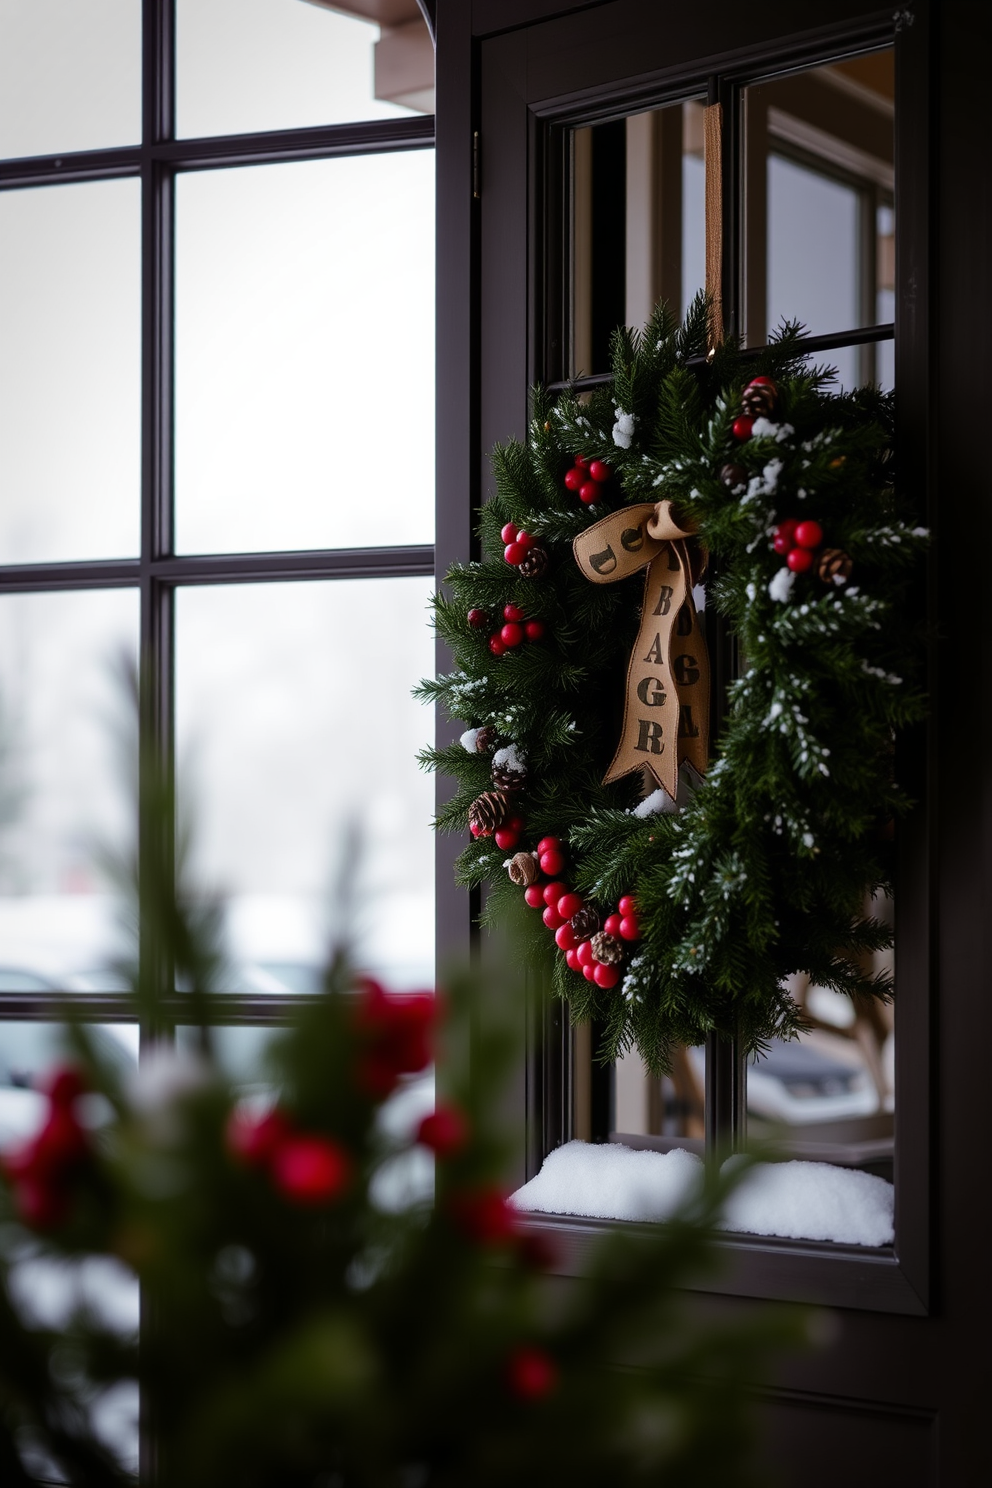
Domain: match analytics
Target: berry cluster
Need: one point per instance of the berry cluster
(587, 477)
(589, 950)
(516, 628)
(797, 542)
(758, 400)
(307, 1168)
(43, 1171)
(506, 837)
(518, 543)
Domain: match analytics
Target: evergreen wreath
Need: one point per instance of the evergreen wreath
(671, 919)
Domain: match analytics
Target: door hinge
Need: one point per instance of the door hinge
(476, 179)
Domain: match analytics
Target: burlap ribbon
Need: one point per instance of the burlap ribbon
(667, 706)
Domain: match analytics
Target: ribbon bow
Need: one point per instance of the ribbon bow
(667, 705)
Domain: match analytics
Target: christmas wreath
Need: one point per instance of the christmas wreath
(676, 893)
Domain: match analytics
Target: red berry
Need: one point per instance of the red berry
(505, 838)
(516, 824)
(574, 478)
(799, 559)
(809, 535)
(512, 634)
(551, 917)
(742, 427)
(788, 527)
(484, 1216)
(525, 540)
(551, 862)
(514, 553)
(553, 892)
(565, 937)
(611, 925)
(476, 830)
(572, 960)
(534, 630)
(589, 493)
(512, 612)
(444, 1131)
(531, 1374)
(599, 470)
(478, 619)
(40, 1203)
(569, 904)
(627, 905)
(583, 461)
(605, 976)
(546, 844)
(782, 542)
(536, 1250)
(310, 1169)
(395, 1030)
(589, 972)
(509, 533)
(63, 1085)
(761, 382)
(534, 896)
(629, 928)
(254, 1139)
(497, 645)
(584, 953)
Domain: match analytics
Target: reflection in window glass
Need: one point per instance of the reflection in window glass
(297, 737)
(813, 225)
(64, 786)
(293, 284)
(638, 224)
(70, 75)
(70, 372)
(246, 65)
(818, 189)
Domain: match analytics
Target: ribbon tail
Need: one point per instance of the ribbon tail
(691, 672)
(649, 737)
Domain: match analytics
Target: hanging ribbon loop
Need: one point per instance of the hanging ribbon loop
(667, 703)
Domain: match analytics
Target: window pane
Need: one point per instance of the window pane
(63, 791)
(245, 65)
(296, 729)
(818, 169)
(70, 75)
(305, 355)
(29, 1051)
(70, 372)
(638, 225)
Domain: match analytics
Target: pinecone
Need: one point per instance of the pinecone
(607, 949)
(759, 399)
(834, 562)
(485, 739)
(505, 779)
(522, 869)
(584, 922)
(489, 811)
(534, 563)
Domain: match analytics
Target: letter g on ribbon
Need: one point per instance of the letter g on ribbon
(667, 703)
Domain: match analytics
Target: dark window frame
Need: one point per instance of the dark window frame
(157, 572)
(517, 88)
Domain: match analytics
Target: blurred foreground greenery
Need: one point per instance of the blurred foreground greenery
(311, 1315)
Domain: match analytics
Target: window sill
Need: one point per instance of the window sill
(819, 1272)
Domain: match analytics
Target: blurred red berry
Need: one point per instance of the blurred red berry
(310, 1169)
(531, 1374)
(63, 1085)
(444, 1131)
(484, 1216)
(395, 1029)
(41, 1204)
(254, 1139)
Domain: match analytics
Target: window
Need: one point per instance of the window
(216, 453)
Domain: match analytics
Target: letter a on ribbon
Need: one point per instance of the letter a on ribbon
(667, 705)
